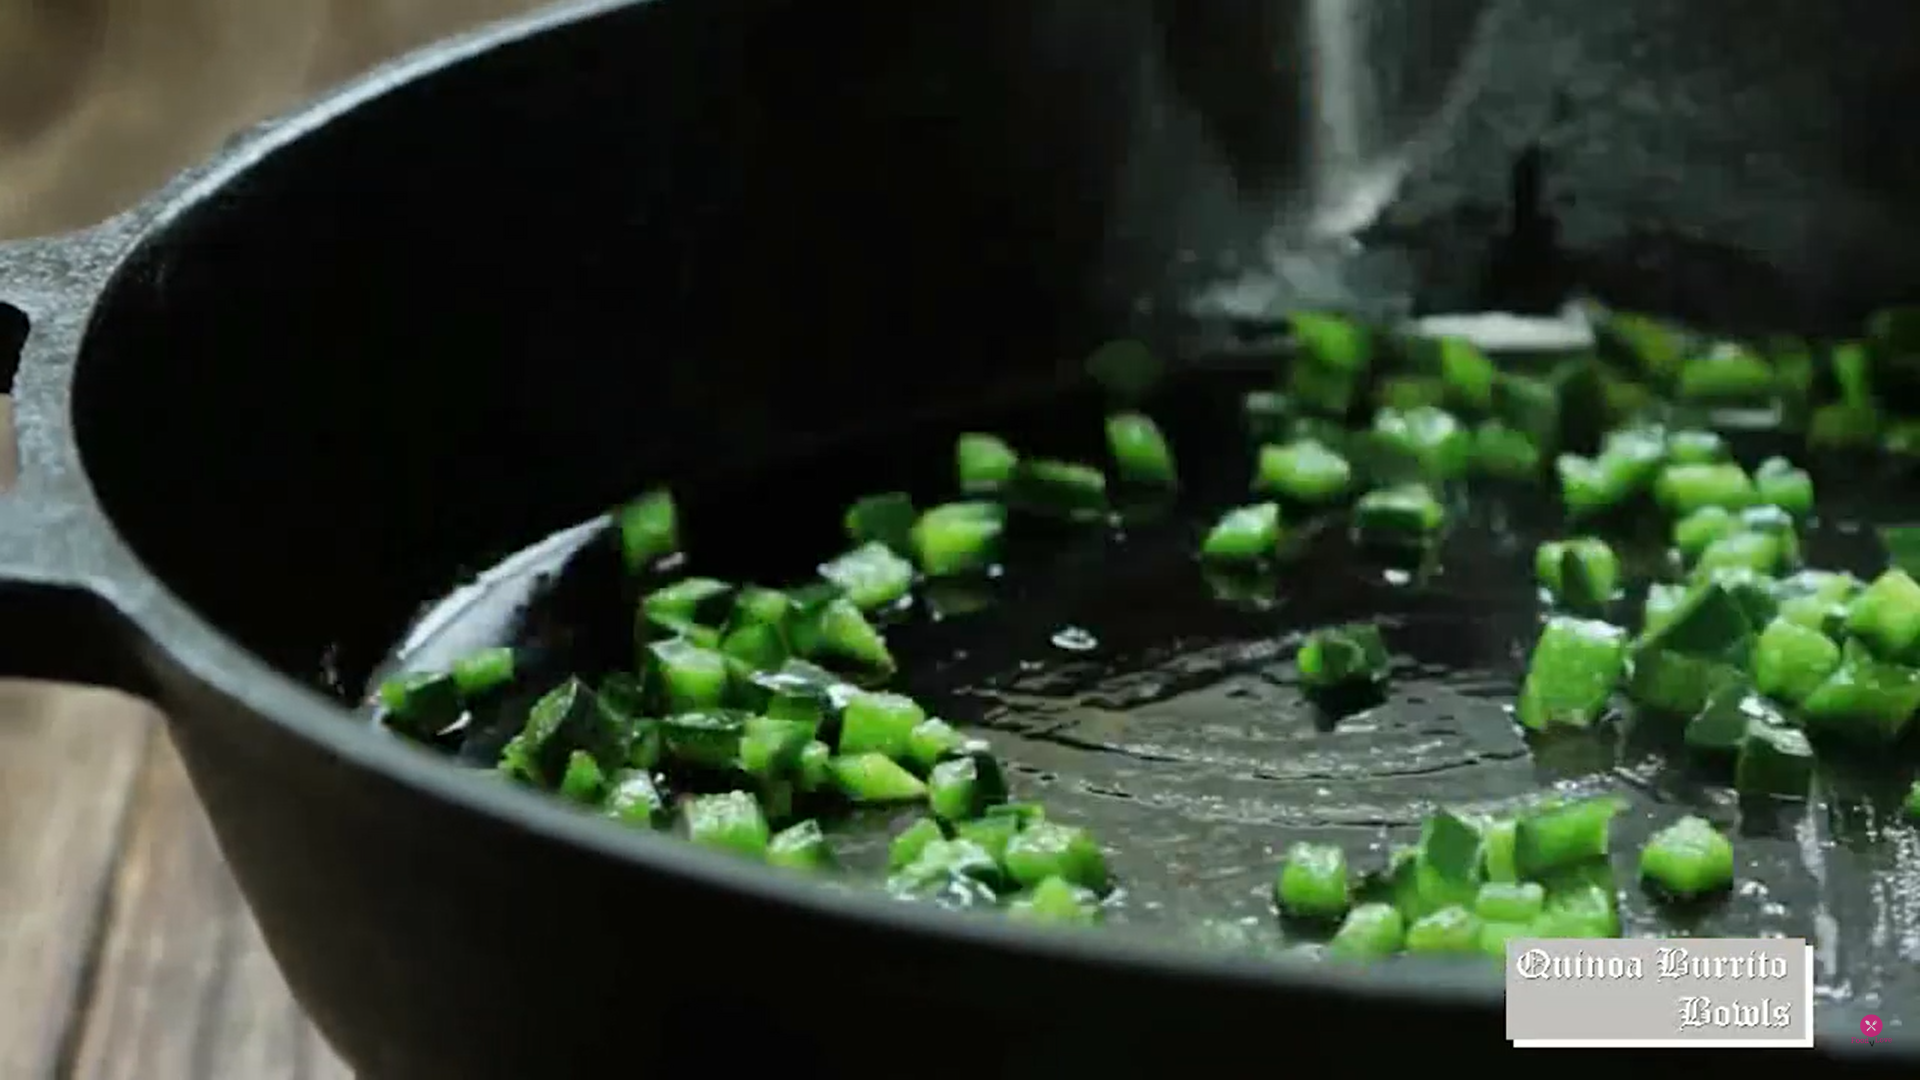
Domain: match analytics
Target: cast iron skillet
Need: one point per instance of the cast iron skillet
(498, 286)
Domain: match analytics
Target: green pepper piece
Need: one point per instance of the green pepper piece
(1304, 470)
(1791, 661)
(1504, 452)
(1044, 849)
(1687, 859)
(1405, 515)
(1063, 489)
(1556, 837)
(886, 518)
(801, 846)
(732, 822)
(1313, 882)
(1887, 614)
(873, 778)
(1370, 931)
(985, 464)
(649, 529)
(484, 670)
(958, 538)
(1056, 901)
(1139, 450)
(871, 575)
(1450, 930)
(1248, 534)
(1775, 760)
(1866, 700)
(1576, 666)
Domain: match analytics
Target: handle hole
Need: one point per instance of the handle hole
(13, 338)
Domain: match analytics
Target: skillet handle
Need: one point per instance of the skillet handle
(56, 622)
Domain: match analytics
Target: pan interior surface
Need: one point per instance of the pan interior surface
(375, 359)
(1132, 694)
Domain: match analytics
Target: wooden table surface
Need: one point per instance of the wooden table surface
(126, 952)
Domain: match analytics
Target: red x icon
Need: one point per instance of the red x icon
(1869, 1025)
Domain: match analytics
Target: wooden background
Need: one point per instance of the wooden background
(125, 951)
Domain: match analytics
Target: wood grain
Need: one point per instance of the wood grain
(101, 100)
(68, 759)
(186, 989)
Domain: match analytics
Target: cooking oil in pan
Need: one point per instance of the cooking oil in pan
(1132, 694)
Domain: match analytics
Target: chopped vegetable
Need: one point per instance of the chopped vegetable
(1061, 488)
(1505, 453)
(689, 677)
(1720, 727)
(838, 632)
(421, 704)
(1866, 700)
(1913, 801)
(1575, 668)
(984, 464)
(1313, 882)
(1427, 438)
(930, 742)
(958, 538)
(907, 845)
(1468, 373)
(1682, 489)
(731, 822)
(1343, 656)
(1554, 838)
(1761, 552)
(963, 788)
(1696, 448)
(871, 575)
(1450, 930)
(1335, 353)
(885, 518)
(1448, 863)
(1248, 534)
(876, 778)
(1775, 760)
(1510, 902)
(1369, 931)
(1779, 483)
(1044, 849)
(1305, 470)
(1887, 614)
(801, 846)
(1404, 516)
(649, 530)
(567, 718)
(1687, 859)
(1058, 901)
(879, 723)
(1701, 529)
(1583, 573)
(687, 603)
(1791, 661)
(1139, 450)
(488, 669)
(632, 798)
(1727, 373)
(584, 782)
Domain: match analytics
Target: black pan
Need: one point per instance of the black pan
(480, 295)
